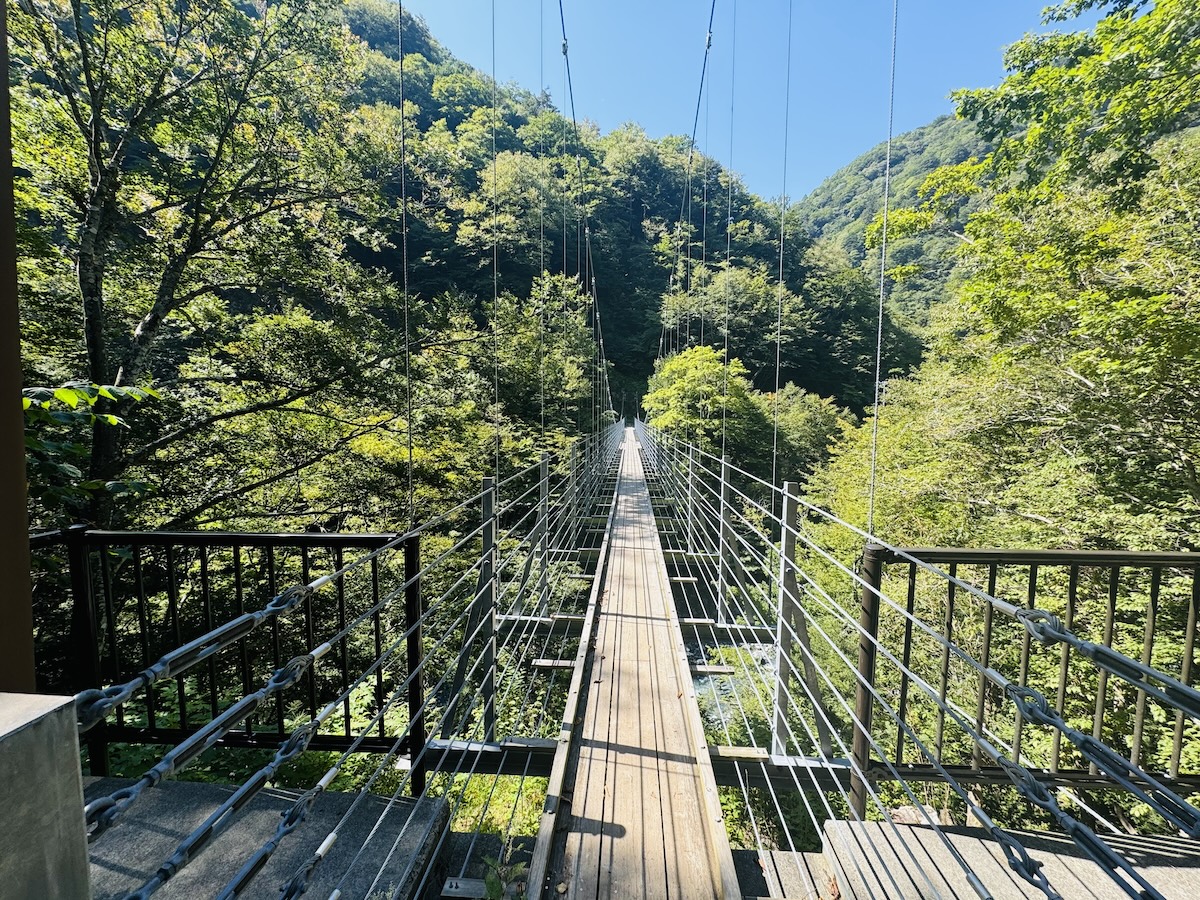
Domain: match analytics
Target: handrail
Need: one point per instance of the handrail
(731, 539)
(545, 512)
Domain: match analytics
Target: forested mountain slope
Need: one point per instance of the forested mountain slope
(263, 264)
(1057, 404)
(842, 208)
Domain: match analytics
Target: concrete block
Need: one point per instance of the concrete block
(43, 842)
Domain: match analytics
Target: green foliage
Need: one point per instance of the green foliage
(1089, 106)
(56, 424)
(698, 399)
(844, 210)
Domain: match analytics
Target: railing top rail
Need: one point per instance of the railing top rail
(1037, 557)
(99, 537)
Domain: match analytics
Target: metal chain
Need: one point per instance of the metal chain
(101, 814)
(1086, 839)
(224, 815)
(91, 706)
(1022, 863)
(1033, 705)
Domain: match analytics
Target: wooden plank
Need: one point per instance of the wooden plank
(701, 669)
(645, 821)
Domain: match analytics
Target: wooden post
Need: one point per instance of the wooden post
(487, 599)
(864, 706)
(543, 603)
(415, 650)
(16, 601)
(791, 615)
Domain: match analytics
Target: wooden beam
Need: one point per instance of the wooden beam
(16, 600)
(755, 767)
(515, 756)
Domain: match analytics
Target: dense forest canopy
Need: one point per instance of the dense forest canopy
(1057, 403)
(232, 214)
(250, 227)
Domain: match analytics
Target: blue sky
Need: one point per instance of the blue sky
(640, 60)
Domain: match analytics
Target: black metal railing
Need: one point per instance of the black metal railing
(1141, 604)
(135, 596)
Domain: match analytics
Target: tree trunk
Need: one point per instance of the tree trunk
(93, 252)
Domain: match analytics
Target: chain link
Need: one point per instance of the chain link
(1048, 629)
(1099, 852)
(1034, 706)
(101, 814)
(92, 706)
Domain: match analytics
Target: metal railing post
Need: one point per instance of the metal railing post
(868, 624)
(544, 537)
(415, 654)
(725, 564)
(85, 671)
(791, 621)
(573, 493)
(691, 500)
(487, 599)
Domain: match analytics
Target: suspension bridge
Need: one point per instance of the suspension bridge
(633, 671)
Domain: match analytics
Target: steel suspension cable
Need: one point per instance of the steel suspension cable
(883, 248)
(495, 254)
(408, 406)
(729, 229)
(783, 211)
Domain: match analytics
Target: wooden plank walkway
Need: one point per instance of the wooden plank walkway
(645, 819)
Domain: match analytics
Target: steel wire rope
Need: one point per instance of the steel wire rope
(400, 788)
(1031, 704)
(729, 229)
(298, 741)
(457, 771)
(1038, 715)
(1091, 844)
(783, 211)
(1043, 626)
(817, 706)
(803, 683)
(103, 812)
(453, 812)
(721, 717)
(812, 776)
(542, 188)
(1006, 841)
(883, 248)
(242, 879)
(94, 704)
(961, 719)
(585, 268)
(529, 682)
(799, 787)
(495, 253)
(704, 198)
(404, 261)
(685, 201)
(436, 770)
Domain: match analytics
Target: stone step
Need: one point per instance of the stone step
(873, 861)
(127, 855)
